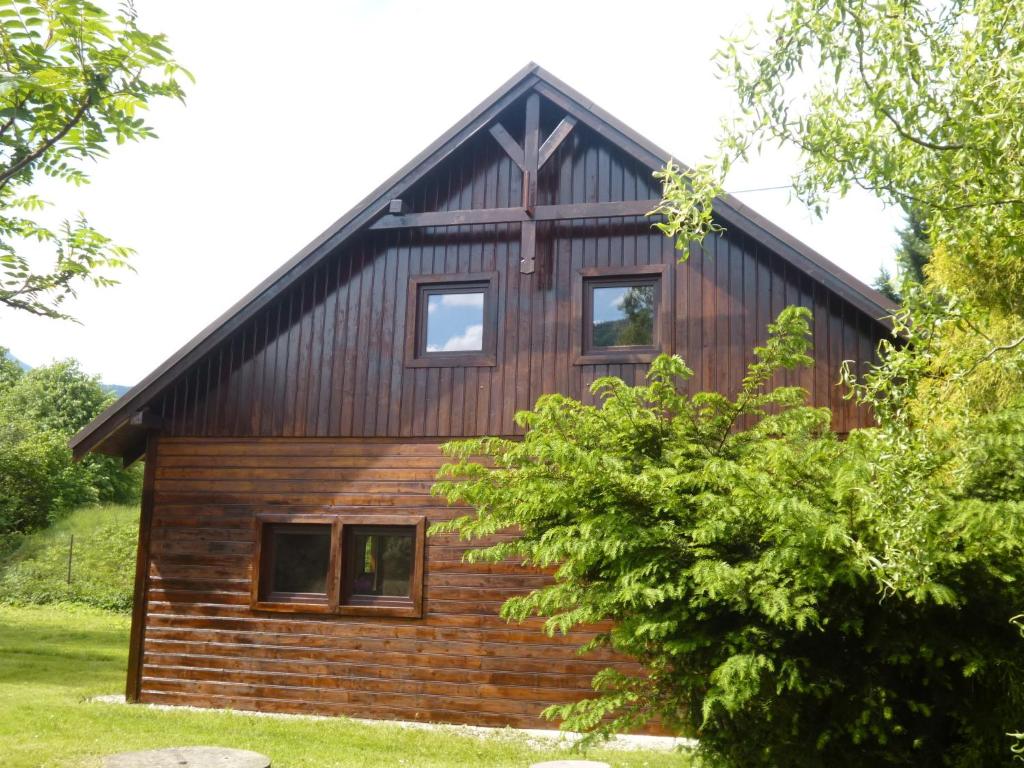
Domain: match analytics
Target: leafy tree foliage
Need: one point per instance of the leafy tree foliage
(10, 371)
(918, 102)
(73, 78)
(795, 600)
(59, 397)
(39, 481)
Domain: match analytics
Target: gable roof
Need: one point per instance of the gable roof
(115, 431)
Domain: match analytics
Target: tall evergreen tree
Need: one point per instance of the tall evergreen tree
(914, 253)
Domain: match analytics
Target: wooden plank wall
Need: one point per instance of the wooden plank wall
(203, 645)
(327, 358)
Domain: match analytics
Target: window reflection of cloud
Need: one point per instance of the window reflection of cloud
(472, 300)
(608, 304)
(471, 340)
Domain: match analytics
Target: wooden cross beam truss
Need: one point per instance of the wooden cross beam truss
(529, 158)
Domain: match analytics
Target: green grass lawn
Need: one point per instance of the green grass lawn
(53, 659)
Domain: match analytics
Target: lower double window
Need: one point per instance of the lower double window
(349, 564)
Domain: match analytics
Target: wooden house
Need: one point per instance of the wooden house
(290, 447)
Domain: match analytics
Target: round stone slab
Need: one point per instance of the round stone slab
(571, 764)
(188, 757)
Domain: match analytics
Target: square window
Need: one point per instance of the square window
(300, 557)
(621, 313)
(296, 561)
(451, 320)
(382, 566)
(379, 562)
(455, 319)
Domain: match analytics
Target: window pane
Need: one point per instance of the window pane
(382, 564)
(301, 557)
(455, 321)
(623, 316)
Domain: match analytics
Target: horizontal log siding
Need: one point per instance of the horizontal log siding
(204, 646)
(327, 358)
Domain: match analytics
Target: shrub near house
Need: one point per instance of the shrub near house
(795, 599)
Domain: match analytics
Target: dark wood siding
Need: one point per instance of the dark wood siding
(204, 646)
(327, 359)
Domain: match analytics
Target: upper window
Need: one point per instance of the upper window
(452, 320)
(346, 563)
(622, 317)
(622, 313)
(455, 319)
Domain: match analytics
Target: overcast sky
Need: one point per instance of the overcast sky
(300, 109)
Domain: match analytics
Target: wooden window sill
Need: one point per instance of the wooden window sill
(409, 611)
(600, 358)
(452, 361)
(288, 606)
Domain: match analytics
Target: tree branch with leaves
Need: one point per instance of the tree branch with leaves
(73, 79)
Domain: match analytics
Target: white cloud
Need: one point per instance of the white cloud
(470, 341)
(474, 300)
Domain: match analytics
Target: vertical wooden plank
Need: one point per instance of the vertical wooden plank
(736, 293)
(694, 314)
(283, 395)
(486, 245)
(355, 365)
(239, 390)
(409, 404)
(806, 376)
(835, 344)
(260, 400)
(632, 225)
(822, 384)
(778, 301)
(396, 342)
(282, 392)
(575, 231)
(538, 293)
(850, 352)
(339, 354)
(140, 603)
(709, 338)
(186, 406)
(679, 343)
(314, 354)
(326, 369)
(306, 425)
(764, 293)
(371, 340)
(368, 386)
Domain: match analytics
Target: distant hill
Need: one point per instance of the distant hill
(117, 389)
(21, 363)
